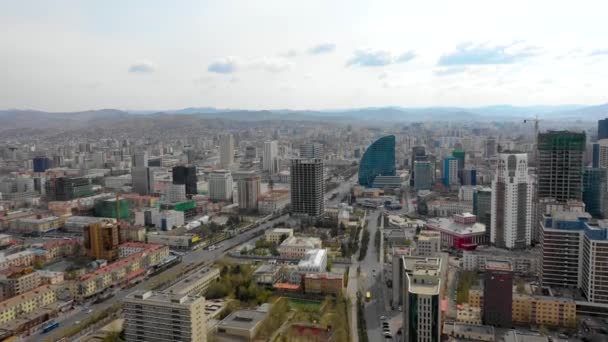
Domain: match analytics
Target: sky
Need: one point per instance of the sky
(66, 55)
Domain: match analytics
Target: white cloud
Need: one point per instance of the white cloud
(142, 67)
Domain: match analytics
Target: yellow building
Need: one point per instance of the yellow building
(535, 310)
(544, 310)
(28, 302)
(101, 240)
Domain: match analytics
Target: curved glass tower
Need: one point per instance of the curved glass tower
(378, 160)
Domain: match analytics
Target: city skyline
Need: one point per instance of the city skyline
(77, 55)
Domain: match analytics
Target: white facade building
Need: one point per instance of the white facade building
(220, 186)
(175, 193)
(511, 225)
(314, 261)
(270, 161)
(226, 151)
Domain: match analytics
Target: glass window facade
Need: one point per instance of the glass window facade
(378, 160)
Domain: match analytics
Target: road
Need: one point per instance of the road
(196, 256)
(374, 282)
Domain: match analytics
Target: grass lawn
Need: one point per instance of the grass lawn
(304, 305)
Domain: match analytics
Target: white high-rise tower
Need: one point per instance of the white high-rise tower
(226, 151)
(270, 161)
(511, 202)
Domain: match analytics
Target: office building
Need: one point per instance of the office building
(490, 147)
(524, 262)
(226, 151)
(66, 189)
(307, 187)
(595, 155)
(296, 247)
(418, 153)
(311, 151)
(185, 175)
(498, 294)
(142, 179)
(277, 235)
(560, 169)
(469, 177)
(41, 164)
(423, 177)
(594, 192)
(159, 316)
(270, 161)
(450, 171)
(600, 154)
(251, 152)
(421, 307)
(101, 240)
(602, 129)
(460, 232)
(378, 160)
(428, 243)
(460, 155)
(174, 193)
(140, 159)
(511, 202)
(314, 261)
(482, 208)
(240, 325)
(248, 189)
(220, 185)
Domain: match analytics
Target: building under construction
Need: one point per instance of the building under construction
(560, 169)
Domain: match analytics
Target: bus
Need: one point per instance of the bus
(49, 326)
(368, 296)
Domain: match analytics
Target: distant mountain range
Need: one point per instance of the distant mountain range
(31, 119)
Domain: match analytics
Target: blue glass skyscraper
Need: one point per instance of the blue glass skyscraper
(602, 129)
(378, 160)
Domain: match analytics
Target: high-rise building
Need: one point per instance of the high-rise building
(66, 188)
(270, 161)
(422, 175)
(595, 155)
(248, 189)
(418, 153)
(490, 147)
(469, 176)
(175, 193)
(560, 169)
(226, 151)
(422, 309)
(450, 171)
(594, 191)
(460, 155)
(185, 175)
(575, 254)
(482, 209)
(142, 180)
(511, 202)
(162, 316)
(600, 153)
(251, 152)
(498, 294)
(220, 185)
(602, 129)
(42, 164)
(378, 160)
(101, 240)
(307, 187)
(311, 151)
(140, 159)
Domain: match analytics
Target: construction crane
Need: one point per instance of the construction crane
(536, 120)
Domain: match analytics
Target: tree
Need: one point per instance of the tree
(329, 265)
(521, 286)
(324, 236)
(342, 226)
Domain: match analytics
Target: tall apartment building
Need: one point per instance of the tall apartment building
(67, 188)
(101, 240)
(185, 175)
(159, 317)
(311, 151)
(270, 155)
(248, 189)
(511, 213)
(575, 254)
(220, 185)
(421, 309)
(460, 155)
(498, 294)
(226, 151)
(490, 147)
(560, 169)
(602, 129)
(307, 187)
(140, 159)
(418, 153)
(174, 193)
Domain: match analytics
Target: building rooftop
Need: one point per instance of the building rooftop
(281, 230)
(185, 284)
(300, 241)
(313, 258)
(325, 275)
(243, 319)
(26, 296)
(161, 298)
(496, 265)
(448, 225)
(473, 328)
(516, 336)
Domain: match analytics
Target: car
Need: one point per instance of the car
(383, 318)
(387, 335)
